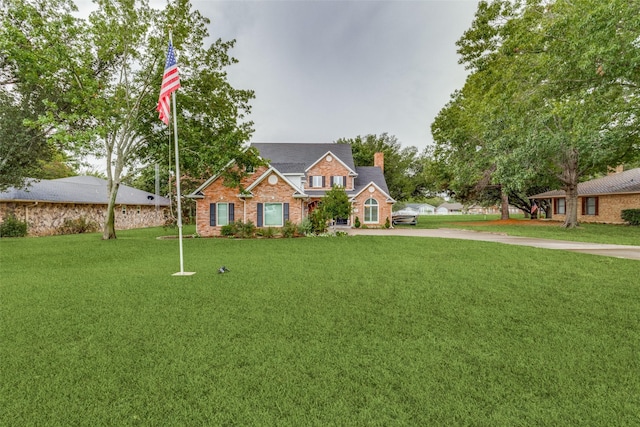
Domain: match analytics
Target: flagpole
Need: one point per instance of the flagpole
(177, 155)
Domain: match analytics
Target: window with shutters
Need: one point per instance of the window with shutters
(221, 214)
(590, 206)
(560, 207)
(371, 211)
(338, 181)
(272, 214)
(317, 181)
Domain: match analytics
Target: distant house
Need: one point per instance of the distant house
(599, 200)
(449, 208)
(46, 204)
(291, 186)
(420, 208)
(491, 210)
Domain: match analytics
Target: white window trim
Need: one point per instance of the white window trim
(218, 216)
(317, 184)
(377, 206)
(264, 215)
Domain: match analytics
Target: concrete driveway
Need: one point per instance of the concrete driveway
(617, 251)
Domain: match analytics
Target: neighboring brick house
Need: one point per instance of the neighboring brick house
(599, 200)
(45, 204)
(291, 186)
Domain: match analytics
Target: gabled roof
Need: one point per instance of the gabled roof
(288, 157)
(266, 174)
(333, 156)
(81, 190)
(369, 174)
(620, 183)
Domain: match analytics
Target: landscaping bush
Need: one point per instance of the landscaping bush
(267, 233)
(77, 226)
(356, 223)
(13, 227)
(289, 229)
(229, 230)
(305, 227)
(387, 224)
(632, 216)
(246, 230)
(239, 229)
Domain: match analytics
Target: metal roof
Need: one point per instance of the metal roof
(81, 190)
(620, 183)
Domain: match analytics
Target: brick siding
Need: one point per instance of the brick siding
(384, 208)
(327, 168)
(245, 209)
(610, 208)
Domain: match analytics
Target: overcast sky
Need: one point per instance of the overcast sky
(324, 70)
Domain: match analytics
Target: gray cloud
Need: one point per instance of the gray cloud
(324, 70)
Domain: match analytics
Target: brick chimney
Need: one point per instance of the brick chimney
(378, 160)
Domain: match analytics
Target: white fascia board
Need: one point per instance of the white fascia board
(389, 198)
(351, 171)
(266, 174)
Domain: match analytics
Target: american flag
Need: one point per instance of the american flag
(170, 83)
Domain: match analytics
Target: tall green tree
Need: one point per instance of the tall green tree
(553, 90)
(42, 69)
(117, 57)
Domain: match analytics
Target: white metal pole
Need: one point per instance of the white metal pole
(175, 140)
(177, 155)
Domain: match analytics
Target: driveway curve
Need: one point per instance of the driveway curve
(617, 251)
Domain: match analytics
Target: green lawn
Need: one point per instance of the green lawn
(595, 233)
(357, 331)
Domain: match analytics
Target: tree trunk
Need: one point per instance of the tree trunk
(571, 220)
(109, 231)
(504, 208)
(548, 209)
(570, 181)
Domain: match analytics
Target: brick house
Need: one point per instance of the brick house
(599, 200)
(45, 204)
(292, 184)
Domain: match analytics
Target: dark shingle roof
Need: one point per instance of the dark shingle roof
(80, 189)
(287, 156)
(367, 174)
(619, 183)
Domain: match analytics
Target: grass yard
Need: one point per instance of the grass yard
(595, 233)
(358, 331)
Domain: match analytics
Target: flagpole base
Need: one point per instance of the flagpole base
(184, 273)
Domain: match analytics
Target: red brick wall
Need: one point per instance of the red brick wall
(246, 210)
(384, 208)
(329, 168)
